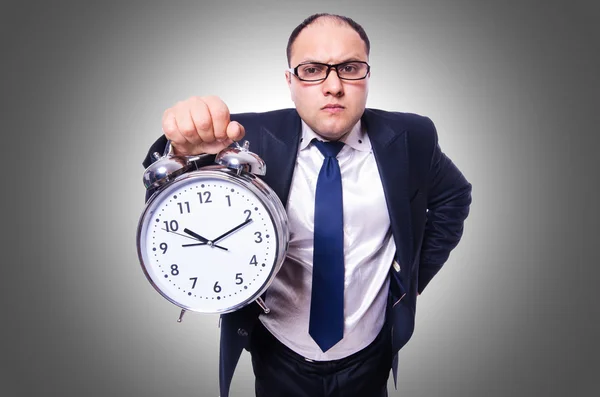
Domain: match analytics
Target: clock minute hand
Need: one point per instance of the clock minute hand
(241, 225)
(203, 243)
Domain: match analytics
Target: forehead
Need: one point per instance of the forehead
(328, 42)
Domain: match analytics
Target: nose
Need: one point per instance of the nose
(332, 85)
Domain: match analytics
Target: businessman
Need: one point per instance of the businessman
(374, 207)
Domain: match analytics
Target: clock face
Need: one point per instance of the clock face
(208, 243)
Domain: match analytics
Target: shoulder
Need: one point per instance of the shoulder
(273, 117)
(420, 130)
(402, 120)
(276, 122)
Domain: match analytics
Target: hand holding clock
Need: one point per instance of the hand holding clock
(200, 125)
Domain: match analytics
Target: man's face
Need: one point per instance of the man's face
(330, 107)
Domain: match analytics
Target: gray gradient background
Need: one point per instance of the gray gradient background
(513, 89)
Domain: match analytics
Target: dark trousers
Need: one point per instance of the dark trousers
(281, 372)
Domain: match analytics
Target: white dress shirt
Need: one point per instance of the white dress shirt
(368, 251)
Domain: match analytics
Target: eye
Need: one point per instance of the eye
(311, 69)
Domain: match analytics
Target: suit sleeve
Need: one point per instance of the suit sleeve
(448, 204)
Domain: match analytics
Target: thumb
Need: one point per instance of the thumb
(235, 131)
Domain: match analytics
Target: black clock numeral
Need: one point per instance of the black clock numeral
(174, 270)
(181, 207)
(249, 214)
(253, 261)
(258, 237)
(171, 226)
(228, 200)
(206, 197)
(163, 247)
(194, 279)
(217, 287)
(238, 278)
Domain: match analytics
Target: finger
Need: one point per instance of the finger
(171, 130)
(200, 115)
(235, 131)
(185, 122)
(219, 113)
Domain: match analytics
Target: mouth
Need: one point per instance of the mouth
(333, 108)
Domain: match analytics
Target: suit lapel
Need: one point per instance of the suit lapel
(279, 150)
(390, 146)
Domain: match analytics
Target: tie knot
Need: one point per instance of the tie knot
(328, 149)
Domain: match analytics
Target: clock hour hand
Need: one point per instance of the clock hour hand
(204, 240)
(238, 227)
(195, 235)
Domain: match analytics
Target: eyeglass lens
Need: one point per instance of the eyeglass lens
(318, 71)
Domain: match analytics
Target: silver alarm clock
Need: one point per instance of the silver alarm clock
(211, 239)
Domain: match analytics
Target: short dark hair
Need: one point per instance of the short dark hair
(340, 18)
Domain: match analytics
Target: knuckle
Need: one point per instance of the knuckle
(194, 101)
(203, 124)
(207, 137)
(169, 127)
(219, 113)
(220, 133)
(217, 107)
(188, 132)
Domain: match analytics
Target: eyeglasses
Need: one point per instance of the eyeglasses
(315, 71)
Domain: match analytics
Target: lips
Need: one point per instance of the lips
(332, 107)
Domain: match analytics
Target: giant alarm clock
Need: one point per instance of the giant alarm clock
(211, 238)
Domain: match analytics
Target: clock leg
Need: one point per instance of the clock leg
(181, 315)
(262, 305)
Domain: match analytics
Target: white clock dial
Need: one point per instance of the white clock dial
(208, 244)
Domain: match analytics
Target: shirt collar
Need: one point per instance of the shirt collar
(357, 139)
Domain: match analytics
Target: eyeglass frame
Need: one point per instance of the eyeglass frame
(294, 71)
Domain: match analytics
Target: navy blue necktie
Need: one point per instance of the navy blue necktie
(327, 299)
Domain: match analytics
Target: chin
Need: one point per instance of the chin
(333, 135)
(335, 130)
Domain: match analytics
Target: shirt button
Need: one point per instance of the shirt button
(242, 332)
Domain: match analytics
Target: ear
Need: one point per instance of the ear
(288, 79)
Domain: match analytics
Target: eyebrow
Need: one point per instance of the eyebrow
(351, 59)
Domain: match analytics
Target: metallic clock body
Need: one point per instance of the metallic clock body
(202, 275)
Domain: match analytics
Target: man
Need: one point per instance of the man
(374, 207)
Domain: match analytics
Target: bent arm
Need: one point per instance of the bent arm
(448, 204)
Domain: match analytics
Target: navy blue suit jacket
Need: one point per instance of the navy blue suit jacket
(427, 199)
